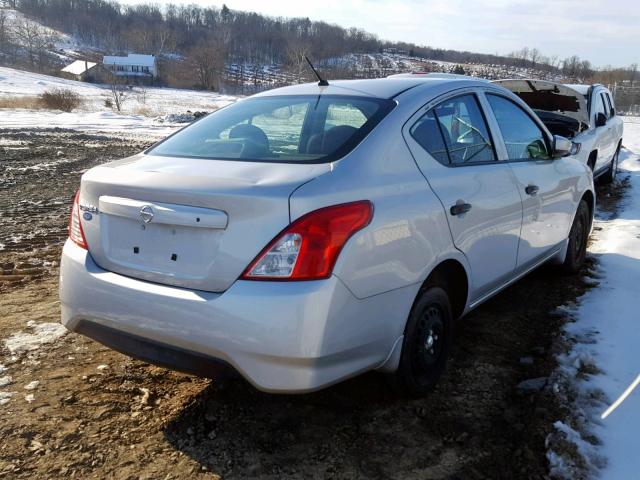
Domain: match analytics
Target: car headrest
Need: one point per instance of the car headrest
(331, 140)
(250, 132)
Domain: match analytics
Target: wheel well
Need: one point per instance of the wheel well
(593, 156)
(590, 199)
(452, 277)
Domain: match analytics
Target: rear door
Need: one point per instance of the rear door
(451, 143)
(545, 185)
(605, 142)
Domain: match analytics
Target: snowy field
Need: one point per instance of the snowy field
(146, 112)
(606, 332)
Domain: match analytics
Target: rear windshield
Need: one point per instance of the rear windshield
(288, 129)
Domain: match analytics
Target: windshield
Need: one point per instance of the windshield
(288, 129)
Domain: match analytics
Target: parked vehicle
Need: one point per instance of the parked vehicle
(585, 114)
(310, 233)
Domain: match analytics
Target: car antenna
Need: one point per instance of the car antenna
(321, 81)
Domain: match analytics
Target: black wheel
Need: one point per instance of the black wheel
(426, 345)
(578, 237)
(610, 175)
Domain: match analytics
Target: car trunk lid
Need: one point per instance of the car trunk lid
(190, 223)
(555, 98)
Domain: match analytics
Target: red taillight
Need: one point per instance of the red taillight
(309, 247)
(76, 234)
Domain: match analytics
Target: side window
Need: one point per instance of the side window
(522, 136)
(613, 107)
(608, 104)
(607, 108)
(455, 132)
(428, 134)
(600, 108)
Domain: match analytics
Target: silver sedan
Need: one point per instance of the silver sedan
(310, 233)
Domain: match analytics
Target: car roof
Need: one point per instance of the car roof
(388, 87)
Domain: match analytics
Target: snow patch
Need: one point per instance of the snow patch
(42, 333)
(5, 397)
(32, 385)
(6, 380)
(603, 336)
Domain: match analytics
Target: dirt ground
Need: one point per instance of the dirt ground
(129, 420)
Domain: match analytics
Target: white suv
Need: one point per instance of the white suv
(311, 233)
(585, 114)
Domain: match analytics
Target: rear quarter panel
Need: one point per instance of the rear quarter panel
(408, 235)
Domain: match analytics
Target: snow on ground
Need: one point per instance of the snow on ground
(5, 397)
(606, 332)
(42, 333)
(32, 385)
(110, 123)
(151, 111)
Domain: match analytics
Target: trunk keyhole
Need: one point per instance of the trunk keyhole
(136, 249)
(174, 257)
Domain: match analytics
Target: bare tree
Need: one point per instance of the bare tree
(34, 39)
(120, 91)
(4, 30)
(633, 71)
(141, 94)
(534, 56)
(208, 60)
(164, 40)
(295, 53)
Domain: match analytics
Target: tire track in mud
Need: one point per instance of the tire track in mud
(39, 174)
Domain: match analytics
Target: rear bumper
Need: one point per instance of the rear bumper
(157, 353)
(281, 336)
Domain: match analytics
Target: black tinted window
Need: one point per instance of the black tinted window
(297, 128)
(522, 136)
(600, 106)
(606, 103)
(428, 134)
(610, 104)
(455, 132)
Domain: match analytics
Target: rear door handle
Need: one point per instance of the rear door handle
(460, 207)
(532, 189)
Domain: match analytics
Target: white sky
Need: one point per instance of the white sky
(604, 32)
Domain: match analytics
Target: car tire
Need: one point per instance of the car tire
(578, 238)
(426, 344)
(610, 174)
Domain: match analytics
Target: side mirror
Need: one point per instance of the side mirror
(562, 146)
(601, 119)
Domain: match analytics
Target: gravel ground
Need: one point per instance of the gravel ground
(98, 414)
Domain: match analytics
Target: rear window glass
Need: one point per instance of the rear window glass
(289, 129)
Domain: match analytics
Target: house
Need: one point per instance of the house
(134, 67)
(80, 70)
